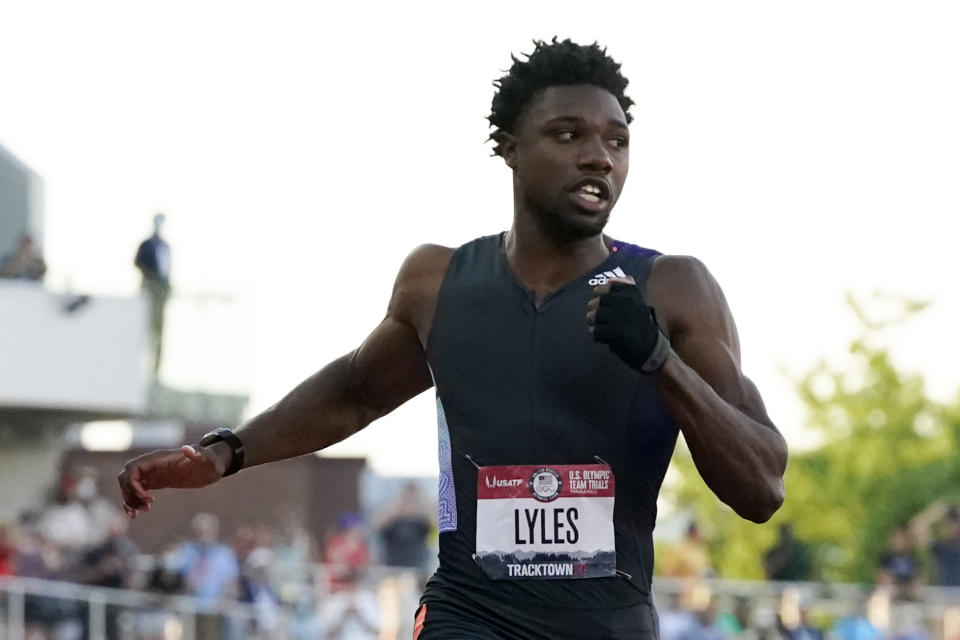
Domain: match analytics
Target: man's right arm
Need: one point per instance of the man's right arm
(389, 368)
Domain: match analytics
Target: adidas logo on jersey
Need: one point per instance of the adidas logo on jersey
(601, 278)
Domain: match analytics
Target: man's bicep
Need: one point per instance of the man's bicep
(705, 337)
(389, 368)
(718, 364)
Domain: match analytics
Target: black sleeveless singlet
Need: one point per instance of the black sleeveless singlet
(521, 384)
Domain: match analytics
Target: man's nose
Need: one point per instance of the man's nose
(595, 156)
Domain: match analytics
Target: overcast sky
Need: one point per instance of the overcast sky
(301, 150)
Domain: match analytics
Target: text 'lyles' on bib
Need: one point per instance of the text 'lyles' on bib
(545, 522)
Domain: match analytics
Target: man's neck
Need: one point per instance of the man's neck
(544, 264)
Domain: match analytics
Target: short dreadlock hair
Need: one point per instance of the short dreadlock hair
(551, 64)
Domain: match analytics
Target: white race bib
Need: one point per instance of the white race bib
(545, 521)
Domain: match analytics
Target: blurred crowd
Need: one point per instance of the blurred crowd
(922, 552)
(362, 578)
(329, 588)
(925, 550)
(692, 612)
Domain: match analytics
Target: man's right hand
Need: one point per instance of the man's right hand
(188, 467)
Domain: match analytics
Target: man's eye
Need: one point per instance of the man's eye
(565, 136)
(619, 143)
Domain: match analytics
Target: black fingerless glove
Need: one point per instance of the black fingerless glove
(626, 323)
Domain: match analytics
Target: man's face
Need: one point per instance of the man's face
(570, 159)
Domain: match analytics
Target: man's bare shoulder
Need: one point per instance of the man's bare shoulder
(428, 261)
(681, 274)
(682, 289)
(418, 282)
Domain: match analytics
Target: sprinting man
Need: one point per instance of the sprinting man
(565, 362)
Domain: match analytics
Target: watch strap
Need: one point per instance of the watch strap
(236, 448)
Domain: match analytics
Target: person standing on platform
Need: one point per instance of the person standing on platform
(153, 261)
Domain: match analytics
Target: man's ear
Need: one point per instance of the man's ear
(508, 148)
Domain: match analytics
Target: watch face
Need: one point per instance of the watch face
(210, 438)
(232, 441)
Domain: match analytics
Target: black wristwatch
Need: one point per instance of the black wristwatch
(236, 448)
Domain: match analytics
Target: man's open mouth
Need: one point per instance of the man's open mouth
(592, 194)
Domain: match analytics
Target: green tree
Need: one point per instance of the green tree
(887, 451)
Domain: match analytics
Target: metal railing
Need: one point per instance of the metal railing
(92, 607)
(104, 613)
(888, 608)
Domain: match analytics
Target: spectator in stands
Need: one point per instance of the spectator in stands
(64, 521)
(208, 566)
(352, 612)
(689, 559)
(108, 565)
(900, 565)
(153, 261)
(101, 513)
(346, 552)
(37, 557)
(294, 550)
(404, 527)
(938, 529)
(24, 263)
(210, 572)
(788, 559)
(255, 590)
(45, 615)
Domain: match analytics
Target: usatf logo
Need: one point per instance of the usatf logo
(495, 482)
(602, 278)
(545, 484)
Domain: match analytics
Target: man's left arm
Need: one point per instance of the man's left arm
(735, 446)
